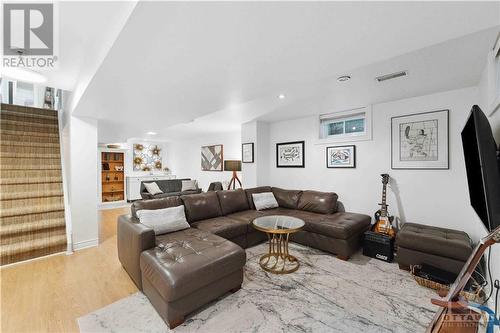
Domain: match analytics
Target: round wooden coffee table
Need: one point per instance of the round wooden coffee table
(278, 229)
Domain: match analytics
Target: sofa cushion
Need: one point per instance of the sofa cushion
(152, 188)
(246, 216)
(164, 220)
(264, 201)
(201, 206)
(251, 191)
(223, 226)
(434, 240)
(187, 260)
(287, 198)
(337, 225)
(318, 202)
(232, 201)
(154, 204)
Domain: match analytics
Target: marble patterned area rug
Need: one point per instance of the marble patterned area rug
(325, 295)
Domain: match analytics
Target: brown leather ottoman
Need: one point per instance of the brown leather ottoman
(188, 269)
(439, 247)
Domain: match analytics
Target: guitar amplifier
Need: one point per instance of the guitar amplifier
(378, 246)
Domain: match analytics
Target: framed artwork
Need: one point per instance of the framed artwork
(147, 157)
(341, 157)
(212, 158)
(247, 152)
(290, 154)
(420, 141)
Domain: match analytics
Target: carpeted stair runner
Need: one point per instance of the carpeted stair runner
(31, 194)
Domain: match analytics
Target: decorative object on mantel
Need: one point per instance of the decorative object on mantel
(420, 141)
(212, 157)
(247, 152)
(234, 166)
(113, 146)
(147, 157)
(290, 154)
(341, 157)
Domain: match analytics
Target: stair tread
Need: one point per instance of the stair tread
(29, 144)
(24, 133)
(6, 167)
(30, 194)
(27, 110)
(28, 227)
(29, 124)
(20, 181)
(33, 155)
(32, 245)
(26, 210)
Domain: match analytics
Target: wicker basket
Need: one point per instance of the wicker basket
(477, 296)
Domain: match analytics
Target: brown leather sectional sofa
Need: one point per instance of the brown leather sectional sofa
(181, 271)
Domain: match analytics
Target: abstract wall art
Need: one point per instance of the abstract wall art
(212, 158)
(147, 157)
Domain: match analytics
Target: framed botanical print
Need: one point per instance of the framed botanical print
(420, 141)
(290, 154)
(247, 153)
(341, 157)
(212, 157)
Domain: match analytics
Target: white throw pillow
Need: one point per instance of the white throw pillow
(152, 188)
(264, 200)
(164, 220)
(188, 185)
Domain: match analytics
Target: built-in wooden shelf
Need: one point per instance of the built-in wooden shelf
(114, 188)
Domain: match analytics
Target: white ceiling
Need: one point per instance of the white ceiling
(221, 64)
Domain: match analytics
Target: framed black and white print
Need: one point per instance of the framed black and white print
(290, 154)
(420, 141)
(247, 152)
(341, 157)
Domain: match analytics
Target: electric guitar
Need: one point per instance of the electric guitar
(383, 221)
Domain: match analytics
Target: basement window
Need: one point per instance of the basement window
(350, 125)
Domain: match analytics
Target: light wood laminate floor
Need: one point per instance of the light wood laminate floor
(49, 294)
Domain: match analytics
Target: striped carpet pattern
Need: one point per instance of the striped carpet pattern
(31, 193)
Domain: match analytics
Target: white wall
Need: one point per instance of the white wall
(83, 181)
(485, 98)
(432, 197)
(184, 159)
(256, 173)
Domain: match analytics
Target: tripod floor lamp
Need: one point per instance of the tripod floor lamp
(234, 166)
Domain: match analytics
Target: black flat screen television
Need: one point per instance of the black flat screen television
(483, 168)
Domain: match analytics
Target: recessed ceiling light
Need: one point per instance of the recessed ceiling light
(343, 78)
(151, 133)
(281, 96)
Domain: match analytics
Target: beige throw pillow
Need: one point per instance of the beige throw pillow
(188, 185)
(164, 220)
(264, 200)
(152, 188)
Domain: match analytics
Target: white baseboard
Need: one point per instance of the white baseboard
(32, 259)
(85, 244)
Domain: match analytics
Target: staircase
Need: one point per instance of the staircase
(31, 194)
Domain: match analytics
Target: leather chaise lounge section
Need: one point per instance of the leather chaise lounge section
(184, 270)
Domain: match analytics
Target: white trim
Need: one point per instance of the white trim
(85, 244)
(67, 207)
(32, 259)
(366, 136)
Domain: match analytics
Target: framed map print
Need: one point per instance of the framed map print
(420, 141)
(290, 154)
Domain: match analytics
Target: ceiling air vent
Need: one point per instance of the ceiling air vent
(391, 76)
